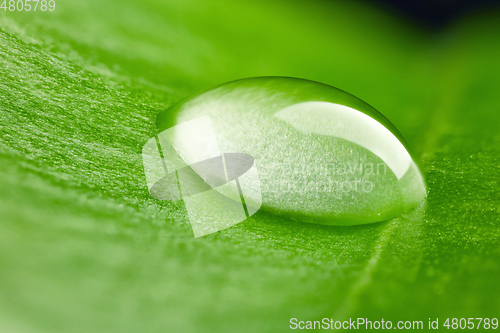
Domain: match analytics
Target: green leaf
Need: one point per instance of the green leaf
(83, 247)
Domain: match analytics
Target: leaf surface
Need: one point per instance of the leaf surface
(83, 247)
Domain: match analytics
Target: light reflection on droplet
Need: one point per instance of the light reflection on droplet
(323, 156)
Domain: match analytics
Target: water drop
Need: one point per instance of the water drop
(322, 155)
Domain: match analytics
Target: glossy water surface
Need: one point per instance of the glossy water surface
(322, 155)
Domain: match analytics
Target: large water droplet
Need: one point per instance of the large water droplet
(322, 155)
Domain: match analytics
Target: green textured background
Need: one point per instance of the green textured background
(84, 248)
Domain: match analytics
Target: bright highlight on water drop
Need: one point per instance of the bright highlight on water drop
(320, 155)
